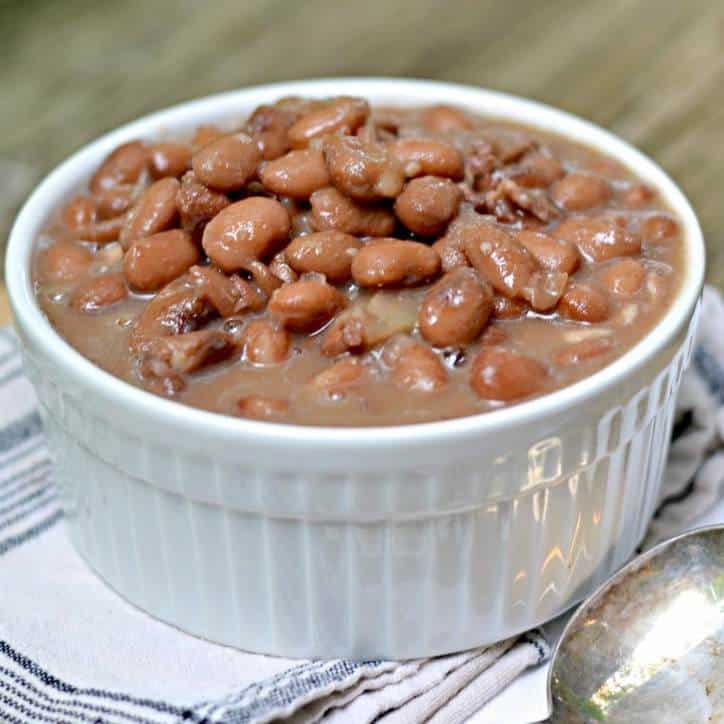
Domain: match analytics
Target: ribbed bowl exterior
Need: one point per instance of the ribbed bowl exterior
(411, 562)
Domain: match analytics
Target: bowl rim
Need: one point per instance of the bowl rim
(66, 177)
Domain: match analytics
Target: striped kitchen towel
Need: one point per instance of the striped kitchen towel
(72, 651)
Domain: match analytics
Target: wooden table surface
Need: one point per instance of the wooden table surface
(649, 70)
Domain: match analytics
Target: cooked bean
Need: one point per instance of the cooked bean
(552, 254)
(228, 163)
(363, 171)
(259, 407)
(456, 309)
(599, 237)
(306, 305)
(99, 292)
(544, 288)
(298, 174)
(445, 119)
(493, 334)
(114, 201)
(340, 115)
(265, 343)
(253, 228)
(579, 191)
(506, 308)
(338, 378)
(583, 351)
(500, 375)
(123, 166)
(326, 252)
(416, 368)
(583, 303)
(536, 170)
(428, 157)
(79, 213)
(205, 134)
(103, 232)
(333, 210)
(637, 195)
(624, 276)
(197, 203)
(152, 262)
(345, 334)
(268, 126)
(155, 211)
(449, 248)
(391, 262)
(169, 159)
(63, 261)
(427, 205)
(500, 259)
(659, 228)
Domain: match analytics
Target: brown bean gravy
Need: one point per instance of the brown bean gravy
(328, 263)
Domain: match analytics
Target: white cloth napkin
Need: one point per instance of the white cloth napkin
(72, 651)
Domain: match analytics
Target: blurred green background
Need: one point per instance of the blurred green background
(650, 70)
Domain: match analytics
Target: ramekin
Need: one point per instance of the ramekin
(395, 542)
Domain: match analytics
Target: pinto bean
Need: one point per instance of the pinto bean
(265, 343)
(427, 205)
(637, 195)
(63, 261)
(599, 237)
(416, 368)
(326, 252)
(506, 308)
(499, 259)
(338, 378)
(123, 166)
(99, 292)
(306, 305)
(445, 119)
(339, 115)
(253, 228)
(456, 309)
(451, 253)
(169, 159)
(228, 163)
(579, 191)
(428, 157)
(659, 228)
(364, 171)
(152, 262)
(155, 211)
(537, 169)
(114, 201)
(268, 126)
(103, 232)
(298, 174)
(501, 375)
(332, 210)
(79, 213)
(259, 407)
(205, 134)
(583, 303)
(584, 351)
(391, 262)
(550, 253)
(197, 203)
(624, 276)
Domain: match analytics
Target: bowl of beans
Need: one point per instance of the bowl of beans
(356, 367)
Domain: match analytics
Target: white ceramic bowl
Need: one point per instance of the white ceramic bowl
(379, 542)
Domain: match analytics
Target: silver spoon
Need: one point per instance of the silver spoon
(648, 645)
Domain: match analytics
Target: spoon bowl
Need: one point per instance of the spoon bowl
(648, 646)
